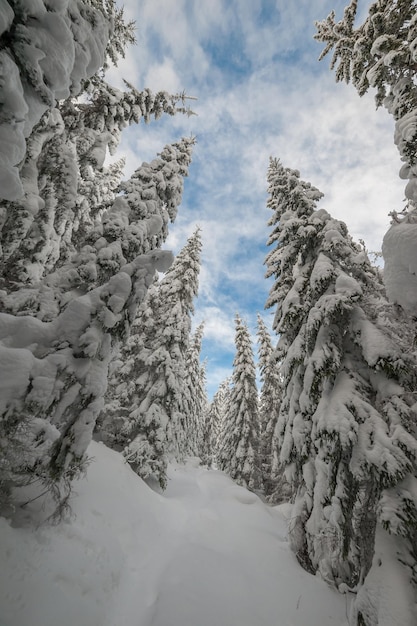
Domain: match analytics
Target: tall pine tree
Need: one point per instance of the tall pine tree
(50, 50)
(76, 261)
(239, 446)
(196, 394)
(273, 481)
(381, 54)
(216, 416)
(152, 393)
(346, 427)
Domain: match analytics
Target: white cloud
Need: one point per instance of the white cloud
(163, 77)
(261, 93)
(218, 326)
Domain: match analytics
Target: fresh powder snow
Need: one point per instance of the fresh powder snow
(206, 552)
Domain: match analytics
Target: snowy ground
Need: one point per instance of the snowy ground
(204, 553)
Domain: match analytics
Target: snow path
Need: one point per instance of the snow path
(204, 553)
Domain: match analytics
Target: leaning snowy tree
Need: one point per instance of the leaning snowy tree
(381, 54)
(76, 260)
(150, 416)
(346, 427)
(239, 440)
(273, 481)
(196, 403)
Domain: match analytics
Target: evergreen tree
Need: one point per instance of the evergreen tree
(152, 393)
(346, 427)
(205, 450)
(76, 260)
(156, 187)
(109, 110)
(239, 446)
(196, 395)
(273, 482)
(381, 53)
(38, 242)
(216, 413)
(49, 50)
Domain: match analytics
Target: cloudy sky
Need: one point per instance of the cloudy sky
(253, 65)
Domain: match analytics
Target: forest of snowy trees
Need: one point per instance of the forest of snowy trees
(96, 332)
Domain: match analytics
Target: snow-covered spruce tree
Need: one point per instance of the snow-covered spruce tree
(109, 110)
(216, 411)
(205, 437)
(381, 53)
(239, 445)
(273, 482)
(66, 188)
(66, 171)
(196, 394)
(103, 283)
(72, 272)
(47, 52)
(152, 395)
(114, 420)
(346, 427)
(49, 49)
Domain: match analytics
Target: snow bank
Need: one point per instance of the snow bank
(205, 552)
